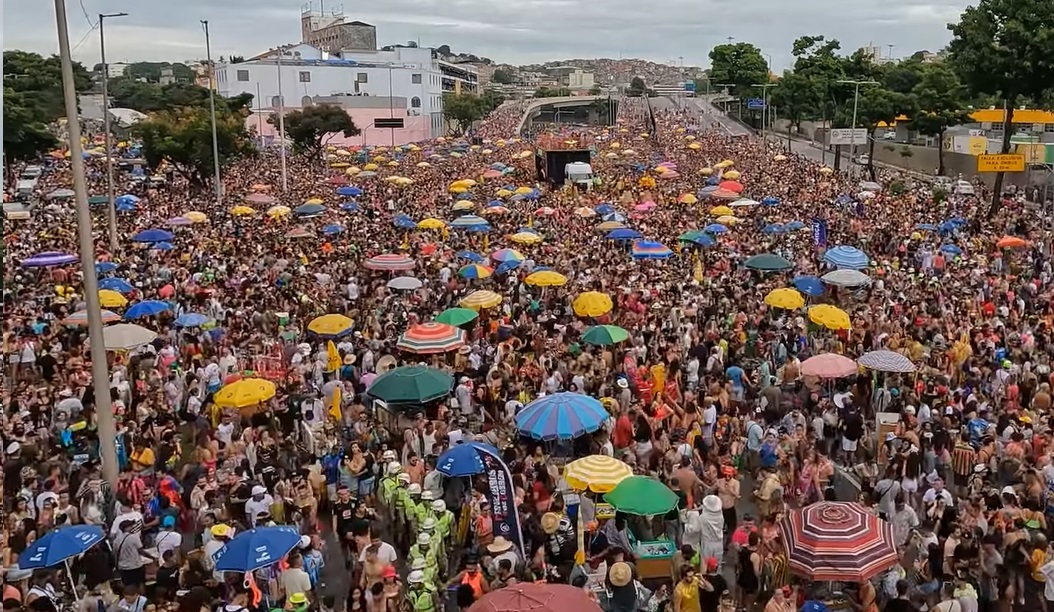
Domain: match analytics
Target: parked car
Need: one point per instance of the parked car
(863, 159)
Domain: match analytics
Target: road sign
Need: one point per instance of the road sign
(847, 136)
(1009, 162)
(689, 86)
(755, 104)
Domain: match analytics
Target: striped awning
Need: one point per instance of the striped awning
(838, 541)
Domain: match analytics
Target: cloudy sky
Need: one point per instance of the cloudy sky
(520, 31)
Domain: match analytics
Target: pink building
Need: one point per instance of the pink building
(415, 128)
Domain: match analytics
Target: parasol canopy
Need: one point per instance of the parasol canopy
(837, 541)
(828, 365)
(831, 317)
(431, 338)
(886, 361)
(561, 416)
(598, 473)
(642, 496)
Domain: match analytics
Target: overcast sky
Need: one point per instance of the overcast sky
(521, 31)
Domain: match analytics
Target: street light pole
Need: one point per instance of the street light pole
(86, 248)
(111, 211)
(765, 104)
(281, 124)
(212, 116)
(856, 103)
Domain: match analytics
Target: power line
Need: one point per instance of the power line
(91, 27)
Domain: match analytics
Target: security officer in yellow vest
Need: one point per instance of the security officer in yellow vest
(400, 503)
(431, 574)
(424, 550)
(428, 528)
(413, 514)
(424, 508)
(389, 483)
(444, 520)
(422, 596)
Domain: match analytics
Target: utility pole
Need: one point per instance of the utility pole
(730, 39)
(86, 247)
(765, 104)
(281, 124)
(391, 101)
(856, 102)
(212, 116)
(725, 85)
(111, 210)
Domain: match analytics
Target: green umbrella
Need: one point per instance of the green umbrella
(642, 496)
(768, 262)
(96, 200)
(457, 316)
(690, 235)
(411, 385)
(603, 335)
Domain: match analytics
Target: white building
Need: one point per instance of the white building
(405, 81)
(116, 70)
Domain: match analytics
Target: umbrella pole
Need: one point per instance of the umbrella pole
(69, 575)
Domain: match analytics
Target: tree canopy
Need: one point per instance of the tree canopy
(637, 87)
(309, 129)
(151, 71)
(183, 138)
(503, 77)
(151, 97)
(738, 64)
(462, 110)
(941, 102)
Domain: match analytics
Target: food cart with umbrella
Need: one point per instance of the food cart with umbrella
(407, 390)
(648, 497)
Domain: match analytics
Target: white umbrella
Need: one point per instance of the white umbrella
(865, 195)
(846, 278)
(744, 202)
(886, 361)
(404, 283)
(870, 186)
(126, 336)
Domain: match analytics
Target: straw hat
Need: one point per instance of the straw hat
(620, 574)
(550, 522)
(499, 545)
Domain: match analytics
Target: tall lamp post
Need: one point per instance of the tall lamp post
(765, 104)
(86, 249)
(281, 124)
(212, 116)
(111, 211)
(856, 102)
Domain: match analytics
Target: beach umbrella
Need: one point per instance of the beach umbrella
(770, 201)
(768, 262)
(126, 337)
(642, 496)
(411, 385)
(105, 267)
(721, 211)
(733, 186)
(119, 285)
(259, 198)
(111, 299)
(838, 541)
(527, 238)
(545, 211)
(846, 278)
(848, 257)
(604, 335)
(60, 545)
(604, 209)
(457, 316)
(614, 216)
(546, 278)
(81, 317)
(146, 308)
(470, 256)
(478, 300)
(785, 298)
(474, 271)
(829, 316)
(191, 319)
(698, 238)
(464, 459)
(809, 285)
(389, 262)
(464, 205)
(309, 210)
(561, 416)
(505, 255)
(1011, 242)
(729, 220)
(584, 212)
(775, 228)
(431, 223)
(256, 548)
(331, 326)
(402, 221)
(744, 203)
(592, 304)
(245, 393)
(623, 233)
(332, 229)
(350, 191)
(598, 473)
(278, 211)
(431, 338)
(951, 249)
(405, 283)
(469, 221)
(153, 235)
(243, 211)
(715, 228)
(829, 365)
(535, 597)
(350, 207)
(886, 361)
(178, 222)
(688, 198)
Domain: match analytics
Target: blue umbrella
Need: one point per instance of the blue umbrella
(332, 229)
(494, 203)
(256, 548)
(604, 209)
(706, 191)
(715, 228)
(60, 545)
(119, 285)
(464, 459)
(795, 225)
(104, 267)
(404, 222)
(713, 181)
(698, 238)
(191, 319)
(846, 257)
(309, 210)
(623, 233)
(148, 308)
(153, 235)
(809, 285)
(775, 228)
(162, 246)
(533, 195)
(469, 221)
(48, 259)
(507, 266)
(770, 201)
(126, 199)
(951, 249)
(561, 416)
(125, 207)
(649, 249)
(470, 256)
(477, 229)
(497, 166)
(947, 227)
(513, 198)
(927, 227)
(350, 191)
(351, 206)
(614, 216)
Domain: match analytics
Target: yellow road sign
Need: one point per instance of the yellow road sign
(1011, 162)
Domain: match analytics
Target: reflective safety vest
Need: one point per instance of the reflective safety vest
(445, 524)
(422, 600)
(401, 502)
(430, 556)
(388, 486)
(422, 511)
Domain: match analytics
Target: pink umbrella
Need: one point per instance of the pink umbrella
(670, 174)
(492, 174)
(668, 164)
(829, 365)
(644, 206)
(259, 198)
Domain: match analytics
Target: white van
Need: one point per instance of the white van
(24, 187)
(963, 188)
(31, 172)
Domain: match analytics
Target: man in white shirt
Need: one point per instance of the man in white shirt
(259, 502)
(124, 513)
(168, 539)
(385, 552)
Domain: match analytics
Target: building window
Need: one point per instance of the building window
(362, 77)
(415, 79)
(276, 101)
(415, 102)
(1048, 127)
(305, 76)
(306, 101)
(243, 76)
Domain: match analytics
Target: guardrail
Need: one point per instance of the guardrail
(537, 103)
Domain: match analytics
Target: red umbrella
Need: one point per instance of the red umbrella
(532, 597)
(837, 541)
(337, 180)
(734, 186)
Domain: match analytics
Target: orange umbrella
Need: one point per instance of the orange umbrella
(1011, 242)
(735, 186)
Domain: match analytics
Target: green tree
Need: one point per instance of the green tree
(740, 64)
(903, 76)
(26, 135)
(796, 99)
(1005, 48)
(503, 77)
(311, 128)
(817, 59)
(40, 79)
(183, 138)
(462, 110)
(151, 97)
(637, 88)
(151, 71)
(941, 100)
(877, 105)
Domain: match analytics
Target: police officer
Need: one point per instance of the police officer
(424, 507)
(428, 527)
(389, 483)
(444, 520)
(424, 550)
(413, 515)
(423, 597)
(400, 510)
(430, 573)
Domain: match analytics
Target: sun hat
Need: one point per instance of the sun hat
(499, 545)
(620, 574)
(550, 522)
(712, 503)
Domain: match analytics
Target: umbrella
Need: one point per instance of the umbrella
(886, 361)
(298, 232)
(243, 211)
(926, 227)
(474, 271)
(470, 256)
(350, 191)
(642, 496)
(847, 257)
(119, 285)
(309, 210)
(768, 262)
(775, 228)
(614, 216)
(648, 249)
(838, 541)
(147, 308)
(469, 221)
(478, 300)
(111, 299)
(533, 597)
(405, 283)
(256, 548)
(81, 317)
(60, 545)
(546, 278)
(431, 338)
(245, 393)
(403, 222)
(561, 416)
(607, 226)
(623, 233)
(698, 238)
(525, 238)
(504, 255)
(330, 326)
(259, 198)
(105, 267)
(809, 285)
(457, 316)
(952, 250)
(796, 225)
(846, 278)
(829, 365)
(126, 336)
(604, 209)
(162, 246)
(411, 385)
(390, 262)
(431, 223)
(464, 460)
(1011, 242)
(191, 319)
(770, 200)
(720, 211)
(715, 228)
(332, 229)
(350, 207)
(603, 335)
(153, 235)
(598, 473)
(179, 221)
(592, 304)
(785, 298)
(831, 317)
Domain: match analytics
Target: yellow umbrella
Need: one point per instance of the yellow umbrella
(546, 278)
(313, 201)
(111, 299)
(629, 153)
(245, 393)
(242, 211)
(830, 317)
(728, 220)
(458, 190)
(524, 190)
(331, 325)
(598, 473)
(340, 165)
(727, 163)
(780, 157)
(464, 205)
(196, 216)
(695, 146)
(731, 175)
(526, 238)
(689, 137)
(478, 300)
(615, 145)
(343, 153)
(403, 181)
(720, 211)
(607, 226)
(592, 304)
(379, 158)
(468, 182)
(688, 198)
(826, 170)
(424, 164)
(706, 171)
(431, 223)
(785, 298)
(278, 211)
(393, 163)
(524, 154)
(370, 167)
(503, 193)
(353, 170)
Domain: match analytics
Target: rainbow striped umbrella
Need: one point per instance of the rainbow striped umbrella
(647, 249)
(475, 271)
(430, 338)
(504, 255)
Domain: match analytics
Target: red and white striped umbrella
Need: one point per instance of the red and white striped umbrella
(838, 541)
(390, 261)
(430, 338)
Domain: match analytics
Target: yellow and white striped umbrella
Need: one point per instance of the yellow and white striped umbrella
(598, 473)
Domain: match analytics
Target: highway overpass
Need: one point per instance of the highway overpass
(537, 104)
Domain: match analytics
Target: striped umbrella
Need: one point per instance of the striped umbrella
(81, 317)
(390, 261)
(886, 361)
(838, 541)
(561, 416)
(598, 473)
(430, 338)
(475, 271)
(504, 255)
(478, 300)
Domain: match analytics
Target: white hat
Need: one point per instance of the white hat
(891, 436)
(416, 577)
(429, 524)
(389, 455)
(413, 489)
(394, 468)
(418, 564)
(909, 410)
(305, 541)
(13, 448)
(404, 478)
(712, 503)
(427, 496)
(259, 490)
(424, 539)
(439, 505)
(499, 545)
(1008, 491)
(622, 383)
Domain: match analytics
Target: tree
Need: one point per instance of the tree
(183, 138)
(40, 80)
(462, 110)
(940, 98)
(877, 105)
(903, 76)
(151, 71)
(311, 128)
(26, 136)
(503, 77)
(817, 58)
(797, 98)
(151, 97)
(637, 87)
(1005, 47)
(740, 64)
